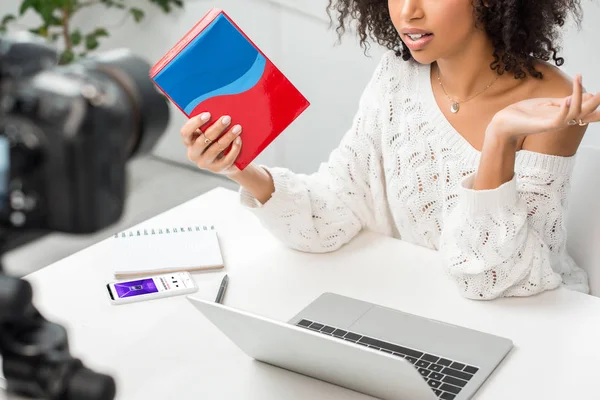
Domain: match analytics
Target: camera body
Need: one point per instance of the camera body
(68, 132)
(63, 137)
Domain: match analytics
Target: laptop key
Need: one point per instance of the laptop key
(328, 329)
(316, 326)
(437, 392)
(457, 374)
(449, 388)
(471, 370)
(422, 364)
(444, 362)
(436, 376)
(430, 358)
(304, 323)
(387, 351)
(447, 396)
(352, 336)
(454, 381)
(424, 372)
(339, 332)
(433, 383)
(393, 347)
(411, 359)
(436, 367)
(457, 365)
(405, 351)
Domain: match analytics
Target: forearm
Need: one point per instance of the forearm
(497, 162)
(257, 181)
(307, 212)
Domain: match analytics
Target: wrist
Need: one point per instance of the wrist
(497, 139)
(239, 176)
(497, 162)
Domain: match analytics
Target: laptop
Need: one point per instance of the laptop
(368, 348)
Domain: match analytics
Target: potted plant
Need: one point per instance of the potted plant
(56, 17)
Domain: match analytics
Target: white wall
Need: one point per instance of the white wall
(580, 51)
(295, 35)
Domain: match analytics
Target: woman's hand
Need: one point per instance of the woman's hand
(540, 115)
(206, 150)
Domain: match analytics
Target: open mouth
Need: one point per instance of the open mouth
(416, 36)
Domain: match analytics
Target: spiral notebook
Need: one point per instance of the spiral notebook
(156, 250)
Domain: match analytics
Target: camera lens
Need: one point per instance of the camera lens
(86, 384)
(149, 106)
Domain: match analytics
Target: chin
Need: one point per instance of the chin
(423, 57)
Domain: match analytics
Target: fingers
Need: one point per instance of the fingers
(228, 160)
(205, 140)
(575, 99)
(192, 126)
(591, 105)
(220, 145)
(564, 110)
(592, 117)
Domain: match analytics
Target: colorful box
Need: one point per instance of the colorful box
(215, 67)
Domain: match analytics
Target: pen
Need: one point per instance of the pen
(222, 288)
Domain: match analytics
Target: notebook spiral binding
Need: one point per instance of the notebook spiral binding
(162, 231)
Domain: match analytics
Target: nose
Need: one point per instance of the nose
(411, 10)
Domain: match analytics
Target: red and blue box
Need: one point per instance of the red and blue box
(215, 67)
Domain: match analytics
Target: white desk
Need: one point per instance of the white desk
(165, 349)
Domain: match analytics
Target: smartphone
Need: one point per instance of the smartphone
(152, 287)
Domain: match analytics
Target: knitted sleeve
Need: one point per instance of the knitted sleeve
(325, 210)
(504, 242)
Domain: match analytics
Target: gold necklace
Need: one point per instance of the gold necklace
(456, 104)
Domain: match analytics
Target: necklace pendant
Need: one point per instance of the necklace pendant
(454, 108)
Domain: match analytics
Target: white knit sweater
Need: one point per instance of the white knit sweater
(403, 171)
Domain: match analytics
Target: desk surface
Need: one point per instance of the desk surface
(165, 348)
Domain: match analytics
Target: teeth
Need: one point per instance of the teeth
(416, 36)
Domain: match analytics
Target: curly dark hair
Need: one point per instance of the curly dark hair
(521, 31)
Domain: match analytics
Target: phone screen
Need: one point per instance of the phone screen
(139, 287)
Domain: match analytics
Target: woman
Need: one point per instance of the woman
(464, 142)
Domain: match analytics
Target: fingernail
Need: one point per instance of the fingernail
(205, 116)
(568, 102)
(580, 79)
(236, 130)
(238, 140)
(226, 120)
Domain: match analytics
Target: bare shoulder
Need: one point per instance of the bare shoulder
(564, 142)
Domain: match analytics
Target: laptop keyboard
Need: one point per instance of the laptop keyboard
(445, 377)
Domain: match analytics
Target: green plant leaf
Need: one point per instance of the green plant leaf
(40, 31)
(7, 18)
(91, 39)
(76, 37)
(113, 3)
(26, 5)
(138, 14)
(167, 5)
(100, 32)
(66, 57)
(91, 42)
